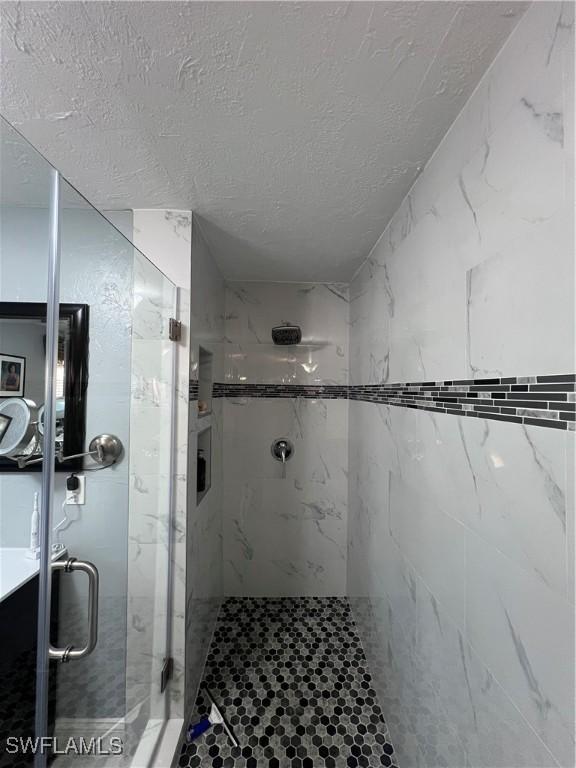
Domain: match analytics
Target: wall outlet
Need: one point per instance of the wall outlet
(77, 496)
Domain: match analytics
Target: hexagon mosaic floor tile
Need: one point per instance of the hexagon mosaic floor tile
(292, 680)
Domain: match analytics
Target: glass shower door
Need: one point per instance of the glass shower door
(96, 272)
(108, 698)
(26, 181)
(150, 501)
(84, 353)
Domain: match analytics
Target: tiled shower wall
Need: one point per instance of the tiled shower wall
(165, 237)
(285, 536)
(461, 528)
(204, 526)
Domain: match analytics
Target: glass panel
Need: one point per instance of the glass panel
(25, 185)
(96, 269)
(150, 502)
(112, 373)
(122, 528)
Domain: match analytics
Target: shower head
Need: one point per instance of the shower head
(286, 334)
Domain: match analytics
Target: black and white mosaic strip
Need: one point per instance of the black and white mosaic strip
(292, 680)
(314, 392)
(193, 389)
(545, 401)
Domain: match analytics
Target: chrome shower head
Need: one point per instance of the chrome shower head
(286, 334)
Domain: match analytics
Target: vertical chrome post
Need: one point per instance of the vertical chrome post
(45, 534)
(172, 490)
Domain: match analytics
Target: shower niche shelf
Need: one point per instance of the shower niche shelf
(205, 381)
(203, 464)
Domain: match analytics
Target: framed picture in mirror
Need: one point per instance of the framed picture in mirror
(12, 375)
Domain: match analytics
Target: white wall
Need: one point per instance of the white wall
(285, 536)
(461, 530)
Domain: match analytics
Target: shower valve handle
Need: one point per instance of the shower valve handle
(282, 450)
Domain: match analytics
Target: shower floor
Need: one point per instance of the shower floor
(292, 680)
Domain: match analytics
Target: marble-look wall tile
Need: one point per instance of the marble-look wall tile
(431, 541)
(406, 612)
(285, 536)
(461, 531)
(515, 284)
(149, 510)
(370, 320)
(181, 481)
(500, 216)
(165, 237)
(477, 469)
(570, 485)
(532, 659)
(253, 309)
(424, 733)
(204, 518)
(527, 521)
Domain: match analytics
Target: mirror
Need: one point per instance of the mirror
(22, 367)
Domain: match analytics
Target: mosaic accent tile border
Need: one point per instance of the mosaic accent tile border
(541, 401)
(292, 679)
(310, 391)
(193, 389)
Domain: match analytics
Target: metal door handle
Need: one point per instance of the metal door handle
(69, 652)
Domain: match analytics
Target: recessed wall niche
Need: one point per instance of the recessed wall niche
(204, 464)
(205, 380)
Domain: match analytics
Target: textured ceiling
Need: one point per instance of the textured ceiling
(294, 130)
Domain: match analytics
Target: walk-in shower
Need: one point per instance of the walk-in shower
(327, 515)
